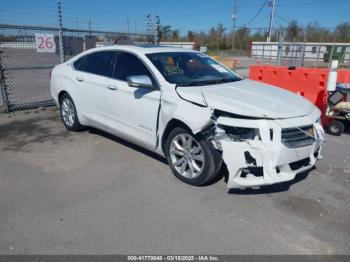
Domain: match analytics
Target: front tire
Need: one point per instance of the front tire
(193, 159)
(69, 115)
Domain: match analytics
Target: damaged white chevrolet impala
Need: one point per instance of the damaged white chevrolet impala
(191, 109)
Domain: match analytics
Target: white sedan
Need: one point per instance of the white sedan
(191, 109)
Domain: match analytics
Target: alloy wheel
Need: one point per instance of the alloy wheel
(68, 112)
(187, 156)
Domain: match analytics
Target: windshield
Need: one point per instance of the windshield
(191, 69)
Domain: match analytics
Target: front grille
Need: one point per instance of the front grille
(298, 137)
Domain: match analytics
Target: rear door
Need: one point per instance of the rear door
(92, 74)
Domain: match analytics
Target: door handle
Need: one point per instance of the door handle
(110, 87)
(80, 79)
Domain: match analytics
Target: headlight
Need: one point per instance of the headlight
(240, 133)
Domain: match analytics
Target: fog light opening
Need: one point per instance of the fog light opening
(255, 171)
(249, 159)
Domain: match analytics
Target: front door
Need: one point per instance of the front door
(133, 111)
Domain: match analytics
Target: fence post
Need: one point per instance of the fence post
(342, 59)
(318, 54)
(280, 48)
(3, 87)
(262, 53)
(303, 50)
(330, 57)
(60, 31)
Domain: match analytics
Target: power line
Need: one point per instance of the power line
(257, 14)
(23, 12)
(306, 28)
(204, 12)
(334, 2)
(261, 20)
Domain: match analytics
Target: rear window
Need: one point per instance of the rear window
(99, 63)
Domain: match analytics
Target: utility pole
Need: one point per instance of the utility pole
(149, 23)
(272, 5)
(128, 24)
(78, 27)
(60, 31)
(157, 29)
(234, 17)
(89, 25)
(154, 27)
(150, 28)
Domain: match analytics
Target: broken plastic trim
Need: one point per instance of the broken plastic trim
(197, 104)
(239, 133)
(247, 160)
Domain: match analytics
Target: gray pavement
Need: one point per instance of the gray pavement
(92, 193)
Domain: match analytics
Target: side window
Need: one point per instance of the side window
(129, 65)
(99, 63)
(80, 64)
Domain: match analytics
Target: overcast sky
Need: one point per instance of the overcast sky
(180, 14)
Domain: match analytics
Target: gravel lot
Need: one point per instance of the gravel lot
(91, 193)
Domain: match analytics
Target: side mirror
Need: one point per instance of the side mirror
(139, 81)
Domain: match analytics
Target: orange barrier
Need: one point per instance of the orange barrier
(310, 83)
(344, 76)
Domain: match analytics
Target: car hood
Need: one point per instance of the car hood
(248, 98)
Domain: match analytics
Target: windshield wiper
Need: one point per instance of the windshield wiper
(224, 80)
(190, 83)
(208, 82)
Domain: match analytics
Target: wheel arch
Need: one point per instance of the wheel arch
(61, 94)
(173, 123)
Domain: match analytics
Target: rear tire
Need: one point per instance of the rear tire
(335, 128)
(69, 115)
(192, 159)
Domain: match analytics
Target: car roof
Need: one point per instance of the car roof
(144, 49)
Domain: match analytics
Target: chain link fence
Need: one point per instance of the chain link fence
(300, 49)
(28, 54)
(300, 54)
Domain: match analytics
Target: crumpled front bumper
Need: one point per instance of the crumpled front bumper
(267, 161)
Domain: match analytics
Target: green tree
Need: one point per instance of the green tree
(293, 31)
(190, 36)
(175, 35)
(342, 32)
(220, 29)
(165, 32)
